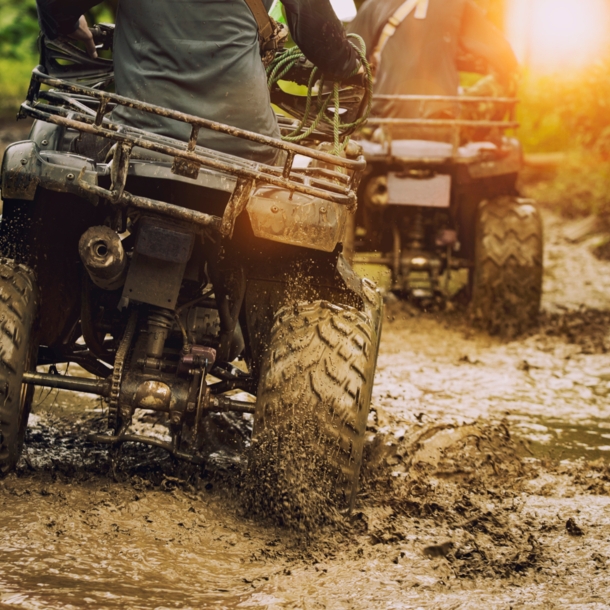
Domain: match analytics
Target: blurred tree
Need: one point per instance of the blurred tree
(585, 107)
(567, 111)
(18, 28)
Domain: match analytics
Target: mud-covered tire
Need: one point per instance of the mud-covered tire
(315, 392)
(18, 305)
(508, 265)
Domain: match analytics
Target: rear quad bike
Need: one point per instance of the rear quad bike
(159, 263)
(430, 207)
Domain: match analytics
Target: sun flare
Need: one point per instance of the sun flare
(553, 35)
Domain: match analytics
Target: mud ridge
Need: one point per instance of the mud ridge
(587, 328)
(463, 484)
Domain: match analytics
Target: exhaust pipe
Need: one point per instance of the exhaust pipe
(102, 254)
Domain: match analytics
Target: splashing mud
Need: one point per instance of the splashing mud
(486, 485)
(463, 484)
(277, 484)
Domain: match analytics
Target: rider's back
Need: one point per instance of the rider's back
(197, 56)
(420, 58)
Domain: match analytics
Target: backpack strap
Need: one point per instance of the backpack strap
(399, 15)
(263, 21)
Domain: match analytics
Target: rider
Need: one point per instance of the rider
(202, 57)
(419, 54)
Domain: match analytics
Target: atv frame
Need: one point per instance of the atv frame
(169, 291)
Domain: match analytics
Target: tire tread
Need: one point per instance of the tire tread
(507, 286)
(18, 303)
(321, 367)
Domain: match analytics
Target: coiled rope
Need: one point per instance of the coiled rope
(287, 59)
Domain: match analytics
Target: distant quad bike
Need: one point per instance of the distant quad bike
(429, 207)
(159, 264)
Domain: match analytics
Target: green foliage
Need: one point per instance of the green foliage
(18, 35)
(542, 127)
(571, 113)
(14, 80)
(585, 105)
(19, 26)
(565, 112)
(580, 186)
(18, 29)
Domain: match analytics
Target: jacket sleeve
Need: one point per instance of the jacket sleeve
(368, 25)
(320, 35)
(481, 38)
(60, 17)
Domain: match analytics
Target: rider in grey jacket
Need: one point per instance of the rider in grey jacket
(202, 57)
(421, 56)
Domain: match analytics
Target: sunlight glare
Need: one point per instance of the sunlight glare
(345, 9)
(552, 35)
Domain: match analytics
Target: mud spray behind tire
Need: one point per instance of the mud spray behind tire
(312, 408)
(507, 282)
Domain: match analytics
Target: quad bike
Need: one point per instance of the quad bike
(430, 207)
(159, 265)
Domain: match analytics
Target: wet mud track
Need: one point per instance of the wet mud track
(487, 485)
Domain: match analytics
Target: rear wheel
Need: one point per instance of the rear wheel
(507, 275)
(18, 303)
(313, 403)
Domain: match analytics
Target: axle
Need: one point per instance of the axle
(101, 387)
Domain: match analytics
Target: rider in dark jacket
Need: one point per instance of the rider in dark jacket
(421, 57)
(202, 57)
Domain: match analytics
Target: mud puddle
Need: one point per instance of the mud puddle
(450, 515)
(558, 439)
(81, 549)
(79, 530)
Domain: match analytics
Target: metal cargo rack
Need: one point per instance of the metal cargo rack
(457, 124)
(84, 109)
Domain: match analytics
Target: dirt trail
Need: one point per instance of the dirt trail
(487, 485)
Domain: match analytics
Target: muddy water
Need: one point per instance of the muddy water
(507, 504)
(82, 547)
(551, 393)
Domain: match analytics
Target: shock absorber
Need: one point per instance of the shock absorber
(160, 323)
(416, 234)
(421, 271)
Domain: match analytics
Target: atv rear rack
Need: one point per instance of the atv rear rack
(84, 109)
(501, 103)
